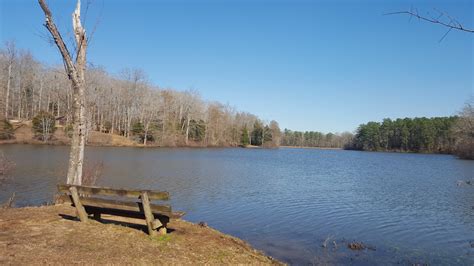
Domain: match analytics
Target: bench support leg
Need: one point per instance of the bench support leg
(148, 213)
(162, 230)
(81, 212)
(157, 224)
(97, 216)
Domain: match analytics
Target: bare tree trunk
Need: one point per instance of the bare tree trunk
(129, 122)
(68, 115)
(58, 107)
(187, 130)
(7, 96)
(113, 121)
(18, 114)
(40, 95)
(75, 73)
(47, 103)
(76, 155)
(147, 125)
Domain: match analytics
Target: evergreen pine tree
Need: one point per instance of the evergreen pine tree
(244, 140)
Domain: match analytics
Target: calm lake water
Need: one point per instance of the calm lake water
(286, 202)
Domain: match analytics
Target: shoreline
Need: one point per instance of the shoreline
(307, 147)
(53, 235)
(137, 145)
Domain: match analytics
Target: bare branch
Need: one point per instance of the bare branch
(76, 72)
(51, 26)
(446, 34)
(452, 24)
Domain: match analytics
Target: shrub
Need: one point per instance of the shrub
(107, 126)
(137, 128)
(6, 130)
(465, 149)
(138, 131)
(44, 125)
(464, 132)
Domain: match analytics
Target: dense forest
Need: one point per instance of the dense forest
(432, 135)
(314, 139)
(127, 104)
(417, 135)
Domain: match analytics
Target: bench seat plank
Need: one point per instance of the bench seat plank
(119, 205)
(106, 191)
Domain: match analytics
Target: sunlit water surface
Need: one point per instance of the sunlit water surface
(287, 202)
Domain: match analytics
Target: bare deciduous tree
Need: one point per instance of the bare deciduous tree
(121, 105)
(464, 131)
(10, 58)
(76, 74)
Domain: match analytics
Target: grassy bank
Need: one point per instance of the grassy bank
(24, 135)
(52, 235)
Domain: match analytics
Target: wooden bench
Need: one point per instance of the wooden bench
(85, 199)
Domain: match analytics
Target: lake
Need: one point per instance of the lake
(407, 208)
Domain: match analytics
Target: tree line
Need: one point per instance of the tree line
(450, 135)
(408, 134)
(314, 139)
(126, 104)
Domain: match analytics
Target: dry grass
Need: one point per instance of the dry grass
(104, 139)
(39, 235)
(24, 135)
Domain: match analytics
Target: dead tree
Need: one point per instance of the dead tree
(11, 54)
(75, 71)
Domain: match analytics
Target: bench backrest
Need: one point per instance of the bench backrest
(105, 191)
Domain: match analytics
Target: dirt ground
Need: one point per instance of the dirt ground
(52, 235)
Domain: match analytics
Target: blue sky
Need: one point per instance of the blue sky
(310, 65)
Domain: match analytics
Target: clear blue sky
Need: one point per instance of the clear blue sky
(310, 65)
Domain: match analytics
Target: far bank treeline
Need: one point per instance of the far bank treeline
(434, 135)
(129, 105)
(126, 104)
(450, 135)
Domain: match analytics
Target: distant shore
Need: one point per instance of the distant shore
(24, 135)
(316, 148)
